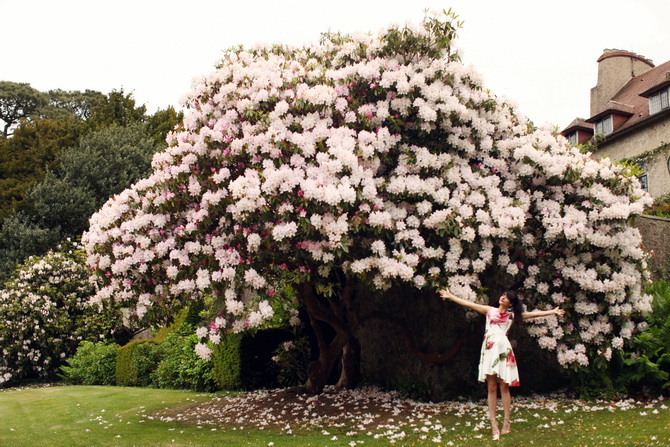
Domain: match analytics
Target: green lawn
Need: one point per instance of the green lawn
(109, 416)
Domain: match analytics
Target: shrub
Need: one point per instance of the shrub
(44, 315)
(162, 333)
(227, 362)
(93, 364)
(135, 362)
(183, 323)
(644, 366)
(660, 207)
(647, 364)
(181, 367)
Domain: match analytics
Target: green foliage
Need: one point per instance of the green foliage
(598, 381)
(20, 101)
(647, 156)
(116, 108)
(173, 327)
(162, 122)
(138, 359)
(102, 164)
(648, 361)
(181, 367)
(227, 362)
(70, 104)
(26, 156)
(135, 361)
(411, 46)
(183, 323)
(239, 361)
(108, 160)
(17, 101)
(93, 364)
(58, 204)
(168, 360)
(69, 152)
(20, 236)
(660, 207)
(644, 365)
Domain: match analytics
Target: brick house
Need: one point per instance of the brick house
(630, 112)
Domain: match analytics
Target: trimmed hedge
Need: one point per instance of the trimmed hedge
(184, 322)
(175, 326)
(135, 361)
(227, 362)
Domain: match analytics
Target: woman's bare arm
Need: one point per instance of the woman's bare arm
(445, 293)
(543, 313)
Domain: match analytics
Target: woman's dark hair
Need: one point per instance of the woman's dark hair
(517, 306)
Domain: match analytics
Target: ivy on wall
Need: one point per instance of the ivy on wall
(646, 156)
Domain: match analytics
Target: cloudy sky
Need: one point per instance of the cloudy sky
(540, 54)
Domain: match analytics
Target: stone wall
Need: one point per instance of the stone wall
(656, 237)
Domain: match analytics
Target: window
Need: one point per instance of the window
(644, 182)
(658, 101)
(643, 177)
(572, 138)
(604, 126)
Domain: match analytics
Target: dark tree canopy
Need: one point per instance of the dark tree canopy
(74, 104)
(17, 101)
(116, 108)
(25, 157)
(68, 153)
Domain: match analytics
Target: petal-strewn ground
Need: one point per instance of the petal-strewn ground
(370, 412)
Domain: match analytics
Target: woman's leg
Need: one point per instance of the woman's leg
(492, 384)
(506, 398)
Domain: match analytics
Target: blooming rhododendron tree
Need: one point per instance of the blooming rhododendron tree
(363, 162)
(44, 314)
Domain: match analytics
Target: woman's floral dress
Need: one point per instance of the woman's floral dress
(497, 356)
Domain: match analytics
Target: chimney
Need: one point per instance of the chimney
(615, 69)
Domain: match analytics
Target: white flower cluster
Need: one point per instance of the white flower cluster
(44, 314)
(343, 156)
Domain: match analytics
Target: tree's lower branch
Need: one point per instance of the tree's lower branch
(315, 310)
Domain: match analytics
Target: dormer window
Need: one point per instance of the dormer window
(578, 132)
(604, 126)
(658, 101)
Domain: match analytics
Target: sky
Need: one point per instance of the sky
(540, 54)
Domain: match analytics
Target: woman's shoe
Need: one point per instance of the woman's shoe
(505, 430)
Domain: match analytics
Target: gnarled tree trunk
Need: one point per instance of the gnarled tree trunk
(338, 314)
(336, 322)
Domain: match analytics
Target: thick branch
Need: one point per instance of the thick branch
(317, 311)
